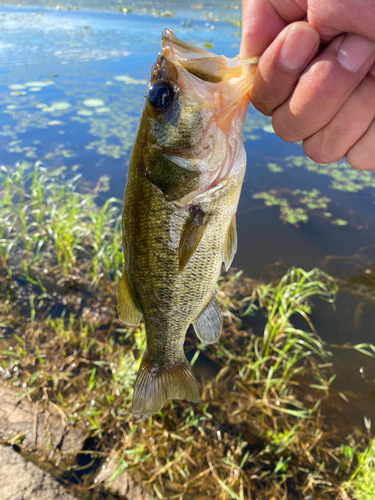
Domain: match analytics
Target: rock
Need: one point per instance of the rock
(124, 486)
(44, 429)
(36, 426)
(22, 480)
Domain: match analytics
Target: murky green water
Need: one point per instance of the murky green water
(71, 88)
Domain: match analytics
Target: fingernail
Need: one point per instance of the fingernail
(354, 51)
(298, 46)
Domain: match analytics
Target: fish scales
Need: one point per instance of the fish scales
(178, 217)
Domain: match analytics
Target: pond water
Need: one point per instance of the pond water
(72, 82)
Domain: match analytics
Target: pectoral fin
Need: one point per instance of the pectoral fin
(192, 235)
(230, 244)
(209, 323)
(128, 312)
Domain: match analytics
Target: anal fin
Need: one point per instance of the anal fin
(209, 323)
(128, 312)
(230, 244)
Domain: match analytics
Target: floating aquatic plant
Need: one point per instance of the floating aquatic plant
(129, 80)
(274, 167)
(253, 121)
(93, 103)
(344, 177)
(295, 205)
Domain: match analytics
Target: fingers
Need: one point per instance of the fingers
(332, 17)
(262, 21)
(346, 128)
(282, 64)
(324, 87)
(362, 154)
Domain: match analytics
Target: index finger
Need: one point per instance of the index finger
(262, 21)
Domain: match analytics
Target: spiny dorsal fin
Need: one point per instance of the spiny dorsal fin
(230, 244)
(192, 234)
(128, 312)
(209, 323)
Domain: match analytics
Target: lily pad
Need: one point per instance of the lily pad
(16, 86)
(16, 93)
(93, 103)
(103, 109)
(55, 122)
(85, 112)
(35, 89)
(129, 80)
(57, 106)
(269, 128)
(61, 106)
(39, 84)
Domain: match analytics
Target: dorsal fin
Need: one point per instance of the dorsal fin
(192, 234)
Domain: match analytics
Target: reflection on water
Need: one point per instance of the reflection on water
(210, 9)
(72, 86)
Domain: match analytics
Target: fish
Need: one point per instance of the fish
(179, 213)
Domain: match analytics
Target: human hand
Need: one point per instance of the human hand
(325, 99)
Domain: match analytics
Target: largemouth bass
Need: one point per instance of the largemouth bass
(184, 182)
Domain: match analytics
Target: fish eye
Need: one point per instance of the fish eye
(160, 94)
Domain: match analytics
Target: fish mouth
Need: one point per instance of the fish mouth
(181, 50)
(199, 62)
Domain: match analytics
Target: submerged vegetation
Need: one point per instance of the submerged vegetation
(258, 430)
(295, 205)
(344, 177)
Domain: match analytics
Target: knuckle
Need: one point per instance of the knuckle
(320, 150)
(285, 128)
(359, 161)
(263, 107)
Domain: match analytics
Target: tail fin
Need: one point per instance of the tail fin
(155, 385)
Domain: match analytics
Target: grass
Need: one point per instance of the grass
(43, 217)
(258, 429)
(361, 485)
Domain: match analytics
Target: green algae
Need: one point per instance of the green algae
(274, 167)
(253, 121)
(344, 177)
(295, 205)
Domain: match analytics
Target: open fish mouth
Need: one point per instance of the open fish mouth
(199, 62)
